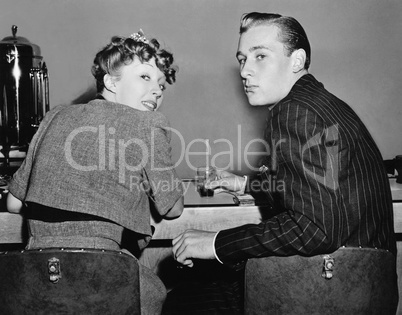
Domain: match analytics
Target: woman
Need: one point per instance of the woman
(93, 171)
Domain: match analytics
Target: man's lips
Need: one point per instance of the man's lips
(250, 88)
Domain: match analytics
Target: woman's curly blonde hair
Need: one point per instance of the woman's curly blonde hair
(122, 51)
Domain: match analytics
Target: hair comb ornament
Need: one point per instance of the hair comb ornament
(139, 37)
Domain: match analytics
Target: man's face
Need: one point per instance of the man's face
(266, 71)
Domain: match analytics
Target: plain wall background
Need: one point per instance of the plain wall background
(356, 49)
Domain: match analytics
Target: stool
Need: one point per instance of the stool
(348, 281)
(68, 281)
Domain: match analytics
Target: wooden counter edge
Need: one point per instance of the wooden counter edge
(207, 218)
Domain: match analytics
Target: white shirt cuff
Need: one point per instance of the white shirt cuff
(213, 247)
(243, 187)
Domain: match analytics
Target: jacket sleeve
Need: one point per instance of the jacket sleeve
(20, 182)
(164, 184)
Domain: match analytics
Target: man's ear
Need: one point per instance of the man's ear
(299, 59)
(110, 83)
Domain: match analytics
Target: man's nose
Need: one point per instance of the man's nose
(246, 70)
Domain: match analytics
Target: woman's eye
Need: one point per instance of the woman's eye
(261, 56)
(162, 87)
(241, 61)
(145, 77)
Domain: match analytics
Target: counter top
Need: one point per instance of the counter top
(396, 190)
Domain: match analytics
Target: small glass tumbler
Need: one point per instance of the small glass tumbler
(205, 174)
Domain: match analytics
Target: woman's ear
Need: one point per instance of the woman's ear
(110, 83)
(299, 59)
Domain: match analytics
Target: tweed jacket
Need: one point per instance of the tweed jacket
(103, 159)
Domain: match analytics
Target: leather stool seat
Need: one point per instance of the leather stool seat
(348, 281)
(69, 281)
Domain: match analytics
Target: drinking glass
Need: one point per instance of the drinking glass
(205, 174)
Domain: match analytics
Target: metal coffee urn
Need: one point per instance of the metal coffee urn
(24, 93)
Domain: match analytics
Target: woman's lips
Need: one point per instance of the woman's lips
(149, 105)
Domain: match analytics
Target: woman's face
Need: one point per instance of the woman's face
(140, 86)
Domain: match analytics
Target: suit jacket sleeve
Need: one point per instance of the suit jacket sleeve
(306, 152)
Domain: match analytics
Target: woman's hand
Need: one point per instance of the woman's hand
(14, 205)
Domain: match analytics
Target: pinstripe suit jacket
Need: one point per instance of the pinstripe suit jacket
(332, 189)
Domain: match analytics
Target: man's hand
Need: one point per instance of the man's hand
(226, 180)
(193, 244)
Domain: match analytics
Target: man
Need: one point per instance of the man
(325, 177)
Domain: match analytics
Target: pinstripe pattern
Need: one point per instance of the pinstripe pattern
(334, 190)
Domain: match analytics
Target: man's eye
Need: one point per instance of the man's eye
(241, 61)
(261, 56)
(145, 77)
